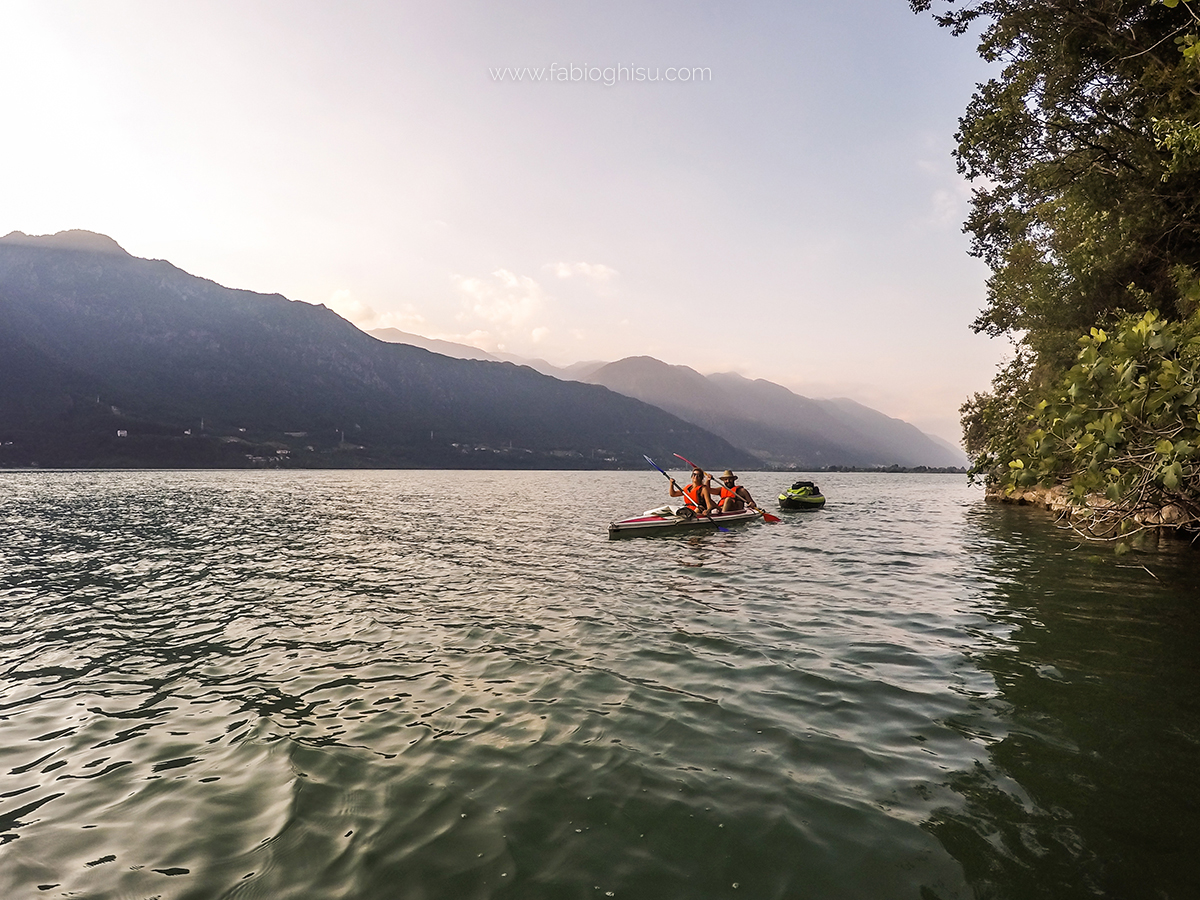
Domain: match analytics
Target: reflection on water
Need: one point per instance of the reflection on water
(446, 684)
(1093, 791)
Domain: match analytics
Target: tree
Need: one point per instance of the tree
(1085, 153)
(1086, 150)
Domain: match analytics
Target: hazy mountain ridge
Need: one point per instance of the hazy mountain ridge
(768, 420)
(574, 372)
(433, 345)
(775, 424)
(94, 342)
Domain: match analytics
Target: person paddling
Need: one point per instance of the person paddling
(734, 497)
(696, 494)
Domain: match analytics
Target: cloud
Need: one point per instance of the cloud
(367, 317)
(949, 200)
(949, 194)
(597, 272)
(505, 301)
(947, 206)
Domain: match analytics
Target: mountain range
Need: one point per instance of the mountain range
(574, 372)
(111, 360)
(780, 427)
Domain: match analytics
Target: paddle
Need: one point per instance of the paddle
(707, 515)
(767, 517)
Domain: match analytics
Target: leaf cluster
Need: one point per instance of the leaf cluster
(1120, 428)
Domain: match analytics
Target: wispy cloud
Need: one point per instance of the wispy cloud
(366, 317)
(949, 197)
(948, 206)
(592, 271)
(949, 193)
(506, 300)
(506, 304)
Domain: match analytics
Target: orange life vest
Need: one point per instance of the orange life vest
(691, 495)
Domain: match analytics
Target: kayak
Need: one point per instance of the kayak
(802, 495)
(668, 520)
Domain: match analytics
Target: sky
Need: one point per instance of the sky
(755, 187)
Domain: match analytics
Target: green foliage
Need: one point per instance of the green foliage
(985, 416)
(1121, 424)
(1085, 150)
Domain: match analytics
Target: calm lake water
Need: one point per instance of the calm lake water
(453, 685)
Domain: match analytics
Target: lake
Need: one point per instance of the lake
(415, 684)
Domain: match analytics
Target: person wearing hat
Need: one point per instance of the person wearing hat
(734, 497)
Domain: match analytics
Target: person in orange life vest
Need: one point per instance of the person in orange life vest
(734, 497)
(697, 494)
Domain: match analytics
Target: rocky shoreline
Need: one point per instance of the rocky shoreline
(1057, 499)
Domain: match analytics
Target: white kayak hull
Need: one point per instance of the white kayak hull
(663, 522)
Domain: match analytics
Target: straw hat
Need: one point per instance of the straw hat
(728, 475)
